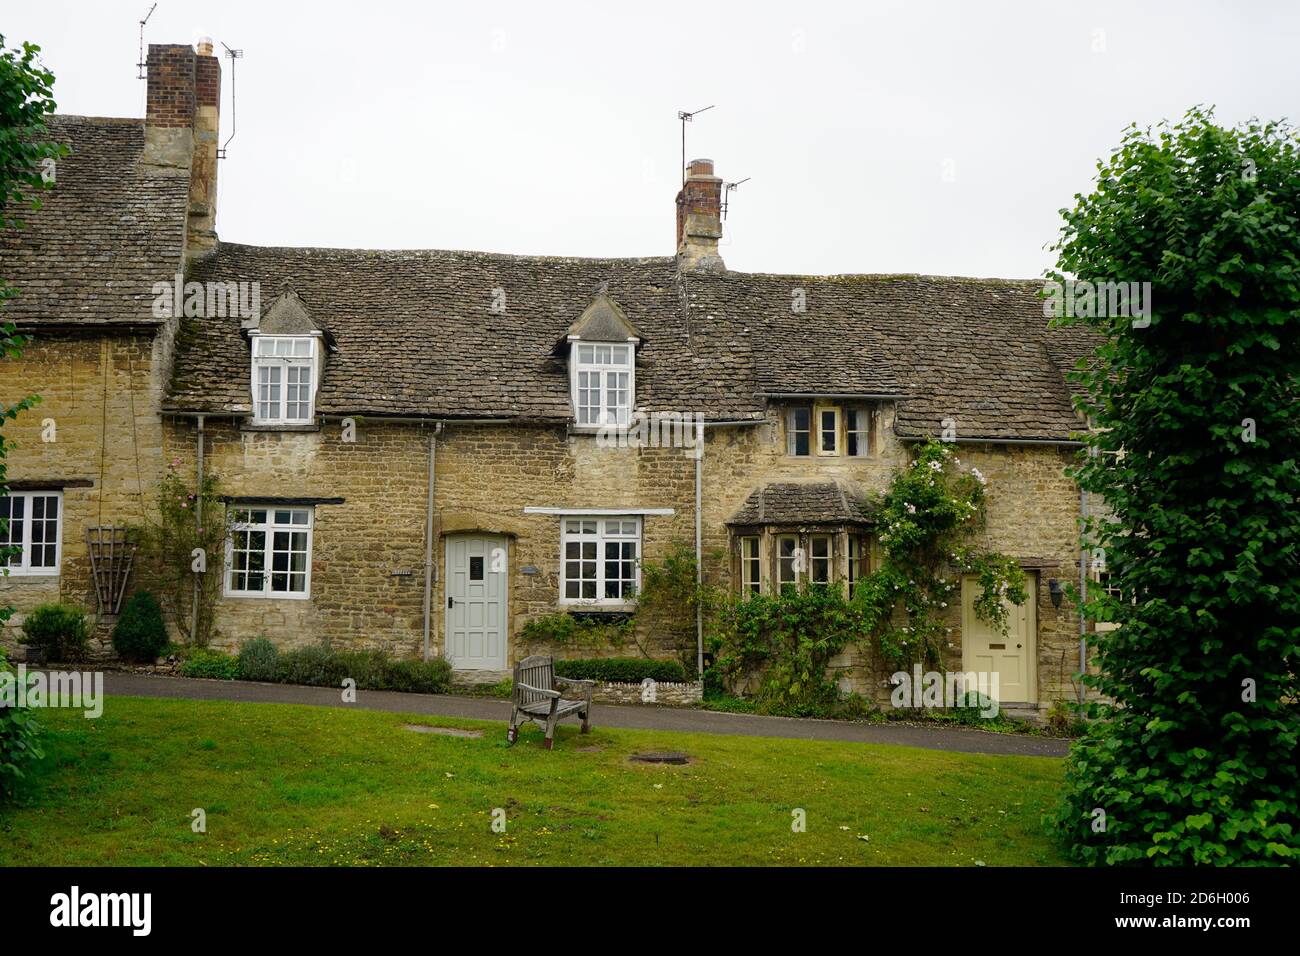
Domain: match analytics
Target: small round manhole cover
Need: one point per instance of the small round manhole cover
(668, 756)
(445, 731)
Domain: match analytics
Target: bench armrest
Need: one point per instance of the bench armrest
(575, 682)
(553, 694)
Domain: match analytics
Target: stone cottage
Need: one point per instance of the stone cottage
(411, 441)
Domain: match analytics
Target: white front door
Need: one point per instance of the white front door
(1011, 656)
(476, 601)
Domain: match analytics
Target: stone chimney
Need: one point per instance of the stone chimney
(699, 219)
(181, 129)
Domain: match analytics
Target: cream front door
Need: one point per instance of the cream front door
(1010, 656)
(476, 601)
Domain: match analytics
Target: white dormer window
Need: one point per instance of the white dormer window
(604, 380)
(285, 373)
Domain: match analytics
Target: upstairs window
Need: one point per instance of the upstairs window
(284, 378)
(829, 431)
(34, 532)
(857, 432)
(798, 431)
(603, 383)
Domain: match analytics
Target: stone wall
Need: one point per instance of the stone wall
(101, 393)
(666, 695)
(368, 552)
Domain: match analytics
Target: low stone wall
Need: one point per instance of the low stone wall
(649, 692)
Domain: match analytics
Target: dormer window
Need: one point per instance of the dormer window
(284, 378)
(602, 346)
(602, 383)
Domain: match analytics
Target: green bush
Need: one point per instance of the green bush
(418, 677)
(316, 665)
(19, 742)
(58, 629)
(140, 634)
(212, 664)
(258, 660)
(626, 670)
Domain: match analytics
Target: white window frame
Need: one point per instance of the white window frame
(311, 361)
(751, 566)
(602, 536)
(819, 431)
(602, 370)
(270, 526)
(24, 567)
(853, 567)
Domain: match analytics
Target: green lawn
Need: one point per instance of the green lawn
(311, 785)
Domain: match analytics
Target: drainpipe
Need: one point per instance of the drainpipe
(428, 540)
(699, 547)
(198, 523)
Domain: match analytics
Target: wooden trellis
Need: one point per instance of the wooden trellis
(111, 556)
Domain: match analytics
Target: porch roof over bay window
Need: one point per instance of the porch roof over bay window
(815, 503)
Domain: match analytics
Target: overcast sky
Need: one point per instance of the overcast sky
(880, 137)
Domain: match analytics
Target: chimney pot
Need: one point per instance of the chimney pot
(205, 46)
(699, 218)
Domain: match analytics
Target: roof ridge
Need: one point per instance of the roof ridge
(431, 252)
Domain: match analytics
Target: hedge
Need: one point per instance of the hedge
(622, 670)
(320, 666)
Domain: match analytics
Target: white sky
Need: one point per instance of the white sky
(934, 137)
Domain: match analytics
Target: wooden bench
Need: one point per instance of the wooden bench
(537, 697)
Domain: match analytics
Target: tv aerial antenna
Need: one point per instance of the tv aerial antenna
(726, 193)
(231, 55)
(686, 118)
(140, 74)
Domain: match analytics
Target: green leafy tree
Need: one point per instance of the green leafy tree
(1192, 759)
(26, 155)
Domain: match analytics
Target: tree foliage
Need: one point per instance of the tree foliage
(1193, 757)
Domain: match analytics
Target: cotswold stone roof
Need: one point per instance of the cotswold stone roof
(822, 502)
(416, 335)
(109, 229)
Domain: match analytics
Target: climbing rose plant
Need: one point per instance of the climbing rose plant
(928, 521)
(928, 524)
(1192, 757)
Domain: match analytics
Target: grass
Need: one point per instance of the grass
(308, 785)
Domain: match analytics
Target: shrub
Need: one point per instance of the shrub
(19, 742)
(212, 664)
(140, 634)
(258, 660)
(626, 670)
(58, 629)
(579, 630)
(419, 677)
(316, 665)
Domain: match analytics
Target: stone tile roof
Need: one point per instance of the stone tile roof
(109, 229)
(823, 502)
(416, 335)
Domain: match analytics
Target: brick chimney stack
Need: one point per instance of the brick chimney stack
(699, 219)
(182, 124)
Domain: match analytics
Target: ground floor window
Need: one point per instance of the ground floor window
(601, 560)
(33, 532)
(269, 552)
(751, 566)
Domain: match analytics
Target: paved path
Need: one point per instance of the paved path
(684, 720)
